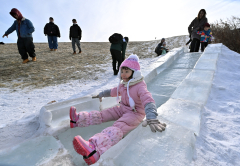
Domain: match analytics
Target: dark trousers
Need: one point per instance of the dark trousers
(203, 45)
(25, 45)
(116, 57)
(76, 41)
(195, 45)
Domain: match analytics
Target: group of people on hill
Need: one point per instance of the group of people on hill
(136, 101)
(25, 28)
(52, 31)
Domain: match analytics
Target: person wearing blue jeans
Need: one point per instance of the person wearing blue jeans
(52, 31)
(52, 42)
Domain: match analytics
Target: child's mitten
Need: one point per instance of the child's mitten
(154, 124)
(106, 93)
(151, 118)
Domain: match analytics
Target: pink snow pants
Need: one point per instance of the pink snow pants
(125, 121)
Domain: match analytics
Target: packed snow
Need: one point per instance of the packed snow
(212, 109)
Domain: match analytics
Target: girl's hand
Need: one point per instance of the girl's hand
(97, 96)
(106, 93)
(154, 124)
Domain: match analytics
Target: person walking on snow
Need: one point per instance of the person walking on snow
(197, 25)
(24, 29)
(136, 102)
(52, 31)
(75, 35)
(206, 36)
(118, 50)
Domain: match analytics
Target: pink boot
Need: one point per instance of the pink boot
(73, 116)
(86, 149)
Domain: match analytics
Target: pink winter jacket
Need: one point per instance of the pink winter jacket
(137, 92)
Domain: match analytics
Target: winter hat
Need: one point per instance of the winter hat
(164, 43)
(163, 38)
(206, 25)
(132, 63)
(15, 11)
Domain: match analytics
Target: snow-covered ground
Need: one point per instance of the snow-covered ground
(218, 142)
(219, 139)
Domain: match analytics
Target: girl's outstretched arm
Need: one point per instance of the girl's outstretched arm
(105, 93)
(150, 110)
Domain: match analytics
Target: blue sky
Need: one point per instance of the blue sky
(140, 20)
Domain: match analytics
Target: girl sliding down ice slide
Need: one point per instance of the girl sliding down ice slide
(136, 102)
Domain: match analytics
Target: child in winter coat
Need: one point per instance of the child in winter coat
(136, 102)
(206, 36)
(24, 29)
(164, 49)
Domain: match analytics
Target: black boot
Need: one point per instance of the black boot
(116, 72)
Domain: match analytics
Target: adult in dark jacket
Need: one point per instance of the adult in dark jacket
(118, 53)
(75, 35)
(24, 29)
(158, 49)
(52, 31)
(197, 25)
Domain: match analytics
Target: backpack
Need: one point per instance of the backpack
(115, 38)
(158, 50)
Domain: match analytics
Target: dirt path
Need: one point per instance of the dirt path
(58, 67)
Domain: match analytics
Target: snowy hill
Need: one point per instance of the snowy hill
(20, 109)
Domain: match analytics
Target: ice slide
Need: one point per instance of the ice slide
(180, 84)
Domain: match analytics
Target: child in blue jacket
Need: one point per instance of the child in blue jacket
(24, 29)
(206, 36)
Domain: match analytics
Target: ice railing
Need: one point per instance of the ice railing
(181, 113)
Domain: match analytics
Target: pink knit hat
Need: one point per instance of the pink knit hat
(131, 62)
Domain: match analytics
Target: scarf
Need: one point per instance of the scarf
(132, 82)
